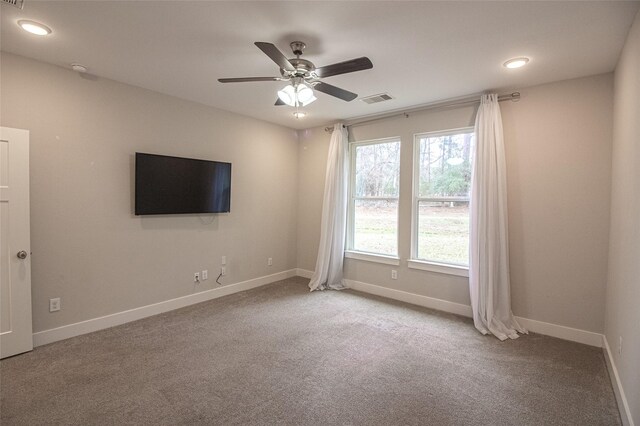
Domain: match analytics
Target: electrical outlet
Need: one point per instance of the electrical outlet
(205, 275)
(620, 346)
(54, 304)
(224, 260)
(196, 277)
(394, 274)
(223, 271)
(270, 261)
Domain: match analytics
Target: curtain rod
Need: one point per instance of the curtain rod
(513, 96)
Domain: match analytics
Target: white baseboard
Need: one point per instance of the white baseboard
(415, 299)
(562, 332)
(554, 330)
(66, 331)
(623, 404)
(304, 273)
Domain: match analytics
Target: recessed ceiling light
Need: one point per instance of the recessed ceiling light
(516, 62)
(34, 27)
(299, 114)
(79, 67)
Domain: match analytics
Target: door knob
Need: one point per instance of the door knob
(22, 254)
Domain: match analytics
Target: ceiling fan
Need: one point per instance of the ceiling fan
(304, 76)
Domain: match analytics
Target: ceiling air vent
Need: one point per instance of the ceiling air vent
(17, 3)
(374, 99)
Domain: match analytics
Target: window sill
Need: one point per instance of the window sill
(442, 268)
(370, 257)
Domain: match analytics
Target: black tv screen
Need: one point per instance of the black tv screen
(174, 185)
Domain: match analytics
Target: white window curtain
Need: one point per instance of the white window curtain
(489, 247)
(328, 273)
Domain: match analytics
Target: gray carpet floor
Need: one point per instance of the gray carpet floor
(281, 355)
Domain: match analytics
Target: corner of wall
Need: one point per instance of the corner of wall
(623, 287)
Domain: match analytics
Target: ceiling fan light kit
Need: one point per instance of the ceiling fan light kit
(304, 94)
(287, 95)
(303, 76)
(296, 94)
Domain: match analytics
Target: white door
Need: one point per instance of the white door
(15, 247)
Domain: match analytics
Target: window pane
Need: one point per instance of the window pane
(377, 170)
(443, 232)
(376, 226)
(445, 165)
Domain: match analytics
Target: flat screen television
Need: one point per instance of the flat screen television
(175, 185)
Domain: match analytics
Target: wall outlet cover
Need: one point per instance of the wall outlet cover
(54, 304)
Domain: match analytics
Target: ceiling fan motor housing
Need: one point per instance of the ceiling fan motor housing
(303, 68)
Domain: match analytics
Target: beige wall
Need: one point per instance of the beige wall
(88, 247)
(558, 147)
(313, 148)
(623, 288)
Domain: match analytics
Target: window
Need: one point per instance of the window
(442, 181)
(373, 197)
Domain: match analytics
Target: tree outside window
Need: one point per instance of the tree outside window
(374, 191)
(443, 164)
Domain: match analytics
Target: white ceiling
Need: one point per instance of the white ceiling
(421, 51)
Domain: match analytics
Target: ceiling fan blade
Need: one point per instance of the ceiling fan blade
(276, 55)
(244, 79)
(279, 102)
(352, 65)
(345, 95)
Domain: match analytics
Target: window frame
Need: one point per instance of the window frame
(428, 264)
(350, 251)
